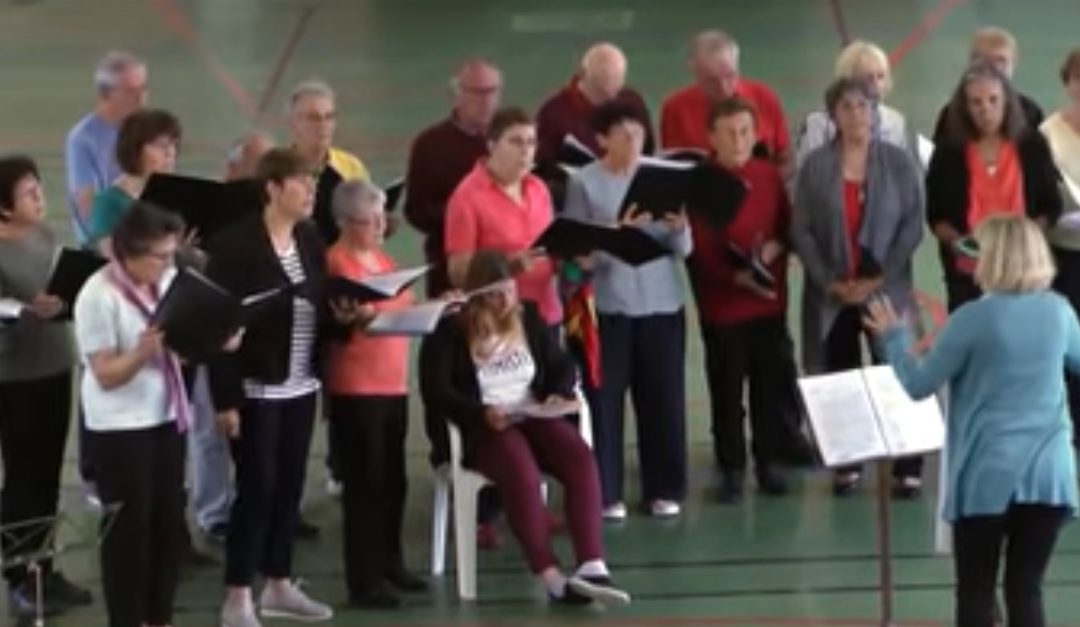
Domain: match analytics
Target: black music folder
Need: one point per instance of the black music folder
(566, 239)
(375, 287)
(70, 272)
(659, 187)
(207, 206)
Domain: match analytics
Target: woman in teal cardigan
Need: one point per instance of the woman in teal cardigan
(1012, 471)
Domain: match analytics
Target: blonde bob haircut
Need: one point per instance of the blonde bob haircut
(1013, 256)
(852, 58)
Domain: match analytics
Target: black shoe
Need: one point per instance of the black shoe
(906, 488)
(59, 589)
(798, 453)
(731, 488)
(571, 598)
(846, 483)
(306, 530)
(404, 581)
(217, 533)
(22, 602)
(770, 482)
(379, 597)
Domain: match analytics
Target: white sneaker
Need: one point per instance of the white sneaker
(333, 487)
(239, 615)
(290, 602)
(615, 512)
(663, 508)
(599, 589)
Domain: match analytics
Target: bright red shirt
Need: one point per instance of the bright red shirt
(684, 117)
(1000, 191)
(367, 365)
(853, 214)
(480, 215)
(764, 214)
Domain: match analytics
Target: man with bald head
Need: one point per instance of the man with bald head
(444, 153)
(714, 62)
(245, 153)
(600, 79)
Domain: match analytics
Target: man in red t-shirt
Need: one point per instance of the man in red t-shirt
(739, 279)
(714, 62)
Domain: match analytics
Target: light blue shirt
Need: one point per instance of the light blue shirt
(90, 159)
(595, 194)
(1009, 437)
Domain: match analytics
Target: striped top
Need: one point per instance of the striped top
(301, 379)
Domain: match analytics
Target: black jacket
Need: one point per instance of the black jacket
(448, 381)
(243, 261)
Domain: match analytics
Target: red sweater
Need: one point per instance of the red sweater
(683, 117)
(568, 112)
(764, 214)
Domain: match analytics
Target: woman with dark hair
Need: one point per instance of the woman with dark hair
(36, 359)
(265, 392)
(856, 224)
(147, 144)
(482, 368)
(136, 405)
(990, 162)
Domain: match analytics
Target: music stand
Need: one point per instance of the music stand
(43, 533)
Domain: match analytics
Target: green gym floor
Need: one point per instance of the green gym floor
(224, 66)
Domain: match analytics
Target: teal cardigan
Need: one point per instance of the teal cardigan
(1009, 437)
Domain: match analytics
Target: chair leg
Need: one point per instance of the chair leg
(439, 516)
(465, 498)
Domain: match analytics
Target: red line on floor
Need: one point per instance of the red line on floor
(284, 58)
(837, 13)
(930, 21)
(177, 21)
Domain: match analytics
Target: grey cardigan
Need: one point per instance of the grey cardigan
(891, 230)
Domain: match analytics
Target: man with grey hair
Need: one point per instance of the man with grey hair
(600, 79)
(120, 80)
(312, 116)
(714, 62)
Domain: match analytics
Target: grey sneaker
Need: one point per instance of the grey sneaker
(239, 615)
(290, 602)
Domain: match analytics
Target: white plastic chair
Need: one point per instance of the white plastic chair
(465, 485)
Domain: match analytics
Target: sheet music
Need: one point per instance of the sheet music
(842, 417)
(390, 283)
(419, 319)
(908, 426)
(10, 308)
(925, 149)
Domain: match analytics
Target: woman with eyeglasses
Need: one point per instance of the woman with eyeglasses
(137, 407)
(482, 368)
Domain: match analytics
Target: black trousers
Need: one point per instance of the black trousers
(34, 420)
(843, 351)
(271, 463)
(372, 431)
(646, 355)
(1026, 534)
(757, 353)
(1067, 283)
(143, 472)
(959, 290)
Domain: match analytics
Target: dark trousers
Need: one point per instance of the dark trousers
(1026, 534)
(372, 432)
(34, 420)
(758, 353)
(86, 449)
(647, 355)
(514, 459)
(333, 450)
(959, 290)
(843, 351)
(1067, 283)
(271, 462)
(143, 472)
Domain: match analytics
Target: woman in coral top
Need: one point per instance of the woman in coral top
(990, 163)
(368, 402)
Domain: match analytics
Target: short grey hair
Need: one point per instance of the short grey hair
(314, 87)
(712, 41)
(112, 66)
(356, 198)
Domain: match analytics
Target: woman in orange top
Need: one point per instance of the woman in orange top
(368, 403)
(991, 162)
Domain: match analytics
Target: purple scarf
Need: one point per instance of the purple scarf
(167, 362)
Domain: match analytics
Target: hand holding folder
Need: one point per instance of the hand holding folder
(566, 239)
(376, 287)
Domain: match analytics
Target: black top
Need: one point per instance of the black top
(448, 381)
(244, 262)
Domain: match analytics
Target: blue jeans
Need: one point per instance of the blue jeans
(208, 457)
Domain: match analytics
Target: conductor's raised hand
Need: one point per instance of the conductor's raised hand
(881, 316)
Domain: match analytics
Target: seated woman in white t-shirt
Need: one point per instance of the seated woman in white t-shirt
(497, 354)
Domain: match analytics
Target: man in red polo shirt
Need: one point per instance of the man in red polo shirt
(499, 205)
(714, 61)
(443, 154)
(602, 78)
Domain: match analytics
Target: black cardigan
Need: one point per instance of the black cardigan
(448, 383)
(243, 261)
(947, 186)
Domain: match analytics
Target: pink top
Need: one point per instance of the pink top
(366, 365)
(480, 215)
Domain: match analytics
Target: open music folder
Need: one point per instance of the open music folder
(73, 268)
(375, 287)
(206, 205)
(865, 414)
